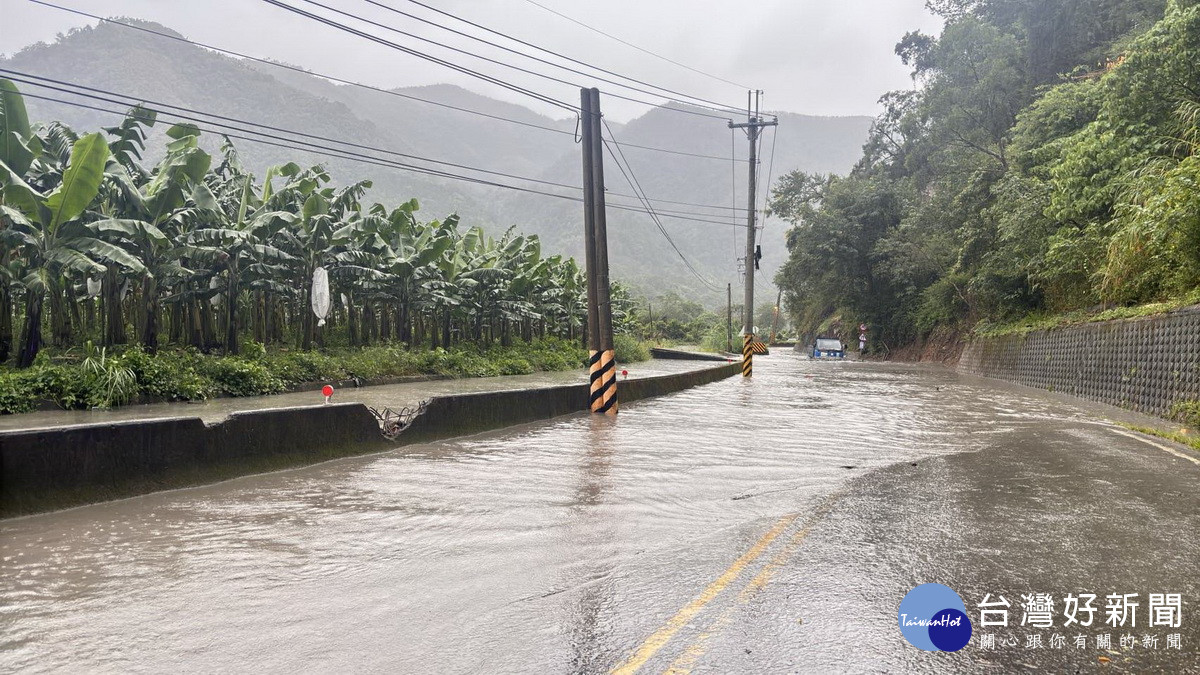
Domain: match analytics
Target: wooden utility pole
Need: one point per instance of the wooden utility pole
(601, 357)
(775, 320)
(729, 317)
(753, 127)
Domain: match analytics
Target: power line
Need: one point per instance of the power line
(635, 184)
(733, 183)
(463, 69)
(341, 153)
(767, 193)
(640, 49)
(24, 78)
(352, 83)
(677, 152)
(704, 103)
(297, 69)
(37, 80)
(422, 55)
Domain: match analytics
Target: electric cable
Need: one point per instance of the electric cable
(630, 44)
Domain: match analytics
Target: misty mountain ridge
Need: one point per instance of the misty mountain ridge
(168, 72)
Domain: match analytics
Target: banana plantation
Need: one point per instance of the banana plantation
(196, 251)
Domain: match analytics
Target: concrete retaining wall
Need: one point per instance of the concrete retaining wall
(58, 467)
(449, 416)
(42, 469)
(1145, 364)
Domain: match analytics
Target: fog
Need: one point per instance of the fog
(809, 56)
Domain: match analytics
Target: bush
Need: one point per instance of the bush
(104, 379)
(515, 365)
(296, 367)
(1187, 412)
(629, 350)
(716, 339)
(65, 385)
(18, 392)
(173, 376)
(237, 377)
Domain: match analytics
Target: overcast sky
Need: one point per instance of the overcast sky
(819, 57)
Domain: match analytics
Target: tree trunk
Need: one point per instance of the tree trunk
(352, 320)
(306, 321)
(232, 346)
(446, 329)
(258, 325)
(208, 333)
(31, 336)
(60, 322)
(114, 318)
(385, 324)
(150, 325)
(406, 335)
(6, 311)
(368, 321)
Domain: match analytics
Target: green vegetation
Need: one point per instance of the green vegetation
(1045, 173)
(1042, 321)
(103, 379)
(197, 252)
(201, 79)
(1187, 412)
(629, 349)
(1182, 437)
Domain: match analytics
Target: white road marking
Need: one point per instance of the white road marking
(1160, 446)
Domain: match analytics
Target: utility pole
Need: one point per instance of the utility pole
(775, 321)
(753, 127)
(729, 317)
(601, 357)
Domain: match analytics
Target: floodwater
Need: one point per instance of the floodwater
(395, 396)
(770, 525)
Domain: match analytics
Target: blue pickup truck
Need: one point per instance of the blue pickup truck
(829, 348)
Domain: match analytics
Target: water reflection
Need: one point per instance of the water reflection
(548, 547)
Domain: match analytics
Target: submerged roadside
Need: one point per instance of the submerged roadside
(59, 464)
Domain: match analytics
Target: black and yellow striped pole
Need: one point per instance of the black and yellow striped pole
(603, 372)
(747, 355)
(602, 364)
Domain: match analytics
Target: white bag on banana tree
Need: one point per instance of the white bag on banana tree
(320, 295)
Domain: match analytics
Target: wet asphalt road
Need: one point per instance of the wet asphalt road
(764, 526)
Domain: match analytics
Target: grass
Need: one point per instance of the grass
(1184, 437)
(1035, 322)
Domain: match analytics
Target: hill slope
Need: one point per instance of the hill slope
(157, 69)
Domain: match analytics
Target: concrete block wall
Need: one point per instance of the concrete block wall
(1146, 364)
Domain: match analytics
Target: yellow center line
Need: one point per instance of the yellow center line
(687, 660)
(663, 635)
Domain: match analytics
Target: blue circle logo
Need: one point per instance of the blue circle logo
(932, 617)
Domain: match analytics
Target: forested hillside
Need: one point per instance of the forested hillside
(1048, 164)
(177, 73)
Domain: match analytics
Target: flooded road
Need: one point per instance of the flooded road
(764, 526)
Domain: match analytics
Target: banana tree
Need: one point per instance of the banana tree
(15, 137)
(151, 220)
(50, 232)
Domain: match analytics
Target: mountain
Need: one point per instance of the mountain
(165, 72)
